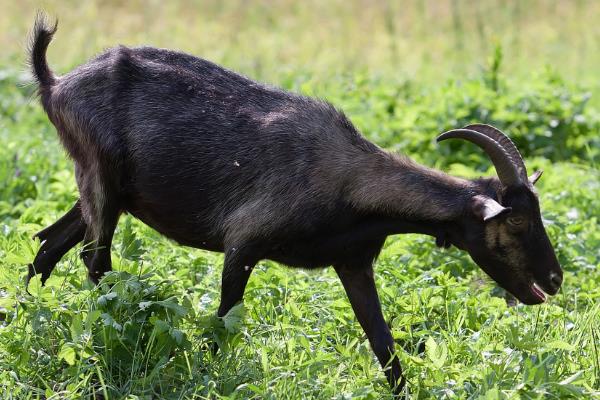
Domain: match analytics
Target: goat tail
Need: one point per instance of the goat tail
(41, 37)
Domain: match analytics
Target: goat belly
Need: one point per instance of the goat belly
(354, 244)
(177, 225)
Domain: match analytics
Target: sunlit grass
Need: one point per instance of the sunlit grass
(269, 40)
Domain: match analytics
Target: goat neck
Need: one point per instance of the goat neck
(395, 186)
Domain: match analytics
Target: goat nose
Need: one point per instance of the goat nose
(556, 279)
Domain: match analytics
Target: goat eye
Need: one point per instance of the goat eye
(516, 221)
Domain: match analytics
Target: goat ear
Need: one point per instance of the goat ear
(535, 176)
(487, 208)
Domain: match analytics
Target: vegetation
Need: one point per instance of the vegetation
(148, 330)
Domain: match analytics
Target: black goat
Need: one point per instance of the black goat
(216, 161)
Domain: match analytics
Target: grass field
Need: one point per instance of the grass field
(403, 72)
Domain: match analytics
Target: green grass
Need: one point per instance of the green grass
(269, 40)
(146, 332)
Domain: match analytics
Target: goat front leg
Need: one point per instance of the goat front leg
(57, 239)
(238, 265)
(359, 284)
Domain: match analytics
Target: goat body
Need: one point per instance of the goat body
(215, 161)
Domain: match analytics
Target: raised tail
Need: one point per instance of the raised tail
(41, 37)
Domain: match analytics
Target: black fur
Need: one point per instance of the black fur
(41, 37)
(216, 161)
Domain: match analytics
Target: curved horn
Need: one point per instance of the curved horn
(507, 171)
(505, 142)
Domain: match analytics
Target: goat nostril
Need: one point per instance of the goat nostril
(556, 279)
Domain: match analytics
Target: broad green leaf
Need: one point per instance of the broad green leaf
(67, 353)
(437, 353)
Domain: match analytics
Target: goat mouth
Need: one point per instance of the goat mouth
(538, 292)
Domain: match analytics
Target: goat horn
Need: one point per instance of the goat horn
(505, 142)
(507, 170)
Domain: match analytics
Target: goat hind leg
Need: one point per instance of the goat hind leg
(99, 194)
(57, 239)
(96, 253)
